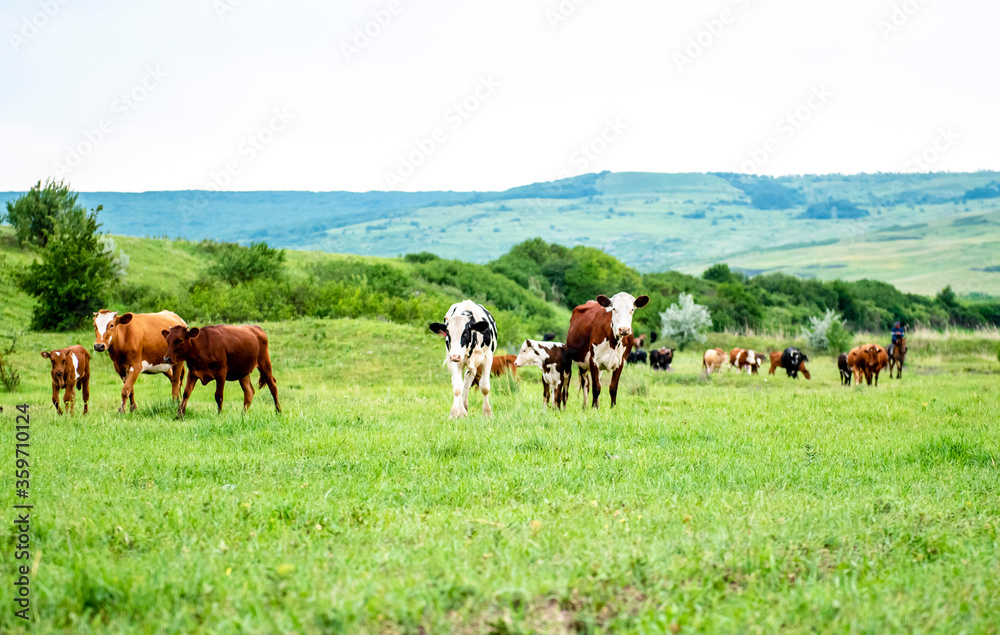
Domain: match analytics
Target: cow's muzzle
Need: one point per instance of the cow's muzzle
(454, 358)
(624, 332)
(167, 359)
(99, 348)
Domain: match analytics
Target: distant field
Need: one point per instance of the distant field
(739, 504)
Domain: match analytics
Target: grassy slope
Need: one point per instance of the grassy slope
(732, 504)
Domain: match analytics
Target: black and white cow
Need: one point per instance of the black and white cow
(556, 367)
(470, 336)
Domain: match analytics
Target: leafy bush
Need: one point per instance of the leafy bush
(827, 333)
(834, 209)
(685, 322)
(10, 379)
(33, 215)
(235, 264)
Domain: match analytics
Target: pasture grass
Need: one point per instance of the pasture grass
(729, 503)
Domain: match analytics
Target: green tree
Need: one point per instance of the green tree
(75, 273)
(720, 272)
(235, 264)
(33, 215)
(594, 272)
(685, 322)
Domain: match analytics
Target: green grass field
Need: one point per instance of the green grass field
(734, 504)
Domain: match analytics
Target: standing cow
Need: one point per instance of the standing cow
(661, 359)
(470, 337)
(845, 369)
(600, 338)
(135, 346)
(70, 369)
(712, 360)
(557, 368)
(792, 360)
(221, 353)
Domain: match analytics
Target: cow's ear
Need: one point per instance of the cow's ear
(193, 333)
(46, 354)
(482, 326)
(641, 301)
(440, 329)
(124, 318)
(604, 300)
(165, 333)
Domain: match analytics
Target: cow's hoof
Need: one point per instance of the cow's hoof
(487, 412)
(457, 413)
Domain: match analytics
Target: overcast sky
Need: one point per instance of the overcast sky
(267, 95)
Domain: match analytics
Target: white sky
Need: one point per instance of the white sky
(887, 97)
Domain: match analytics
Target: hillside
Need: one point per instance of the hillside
(817, 226)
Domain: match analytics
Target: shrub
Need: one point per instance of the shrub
(33, 214)
(235, 264)
(685, 322)
(10, 379)
(827, 333)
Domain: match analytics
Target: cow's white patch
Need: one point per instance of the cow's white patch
(621, 309)
(76, 364)
(103, 320)
(608, 357)
(57, 353)
(154, 368)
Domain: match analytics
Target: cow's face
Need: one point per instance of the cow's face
(531, 354)
(178, 343)
(104, 327)
(459, 333)
(62, 367)
(621, 307)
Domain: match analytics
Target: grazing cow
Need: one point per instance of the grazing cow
(70, 369)
(792, 360)
(221, 353)
(556, 366)
(734, 357)
(661, 359)
(713, 360)
(548, 337)
(640, 340)
(845, 369)
(470, 335)
(897, 355)
(749, 361)
(638, 356)
(600, 338)
(135, 346)
(502, 364)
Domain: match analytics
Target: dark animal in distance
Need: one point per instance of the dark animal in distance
(638, 356)
(221, 353)
(897, 355)
(845, 369)
(792, 360)
(661, 359)
(70, 370)
(548, 337)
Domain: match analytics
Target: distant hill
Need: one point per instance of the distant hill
(808, 225)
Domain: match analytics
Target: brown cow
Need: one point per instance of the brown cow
(734, 356)
(857, 361)
(135, 346)
(877, 360)
(70, 369)
(222, 353)
(749, 361)
(713, 360)
(504, 363)
(600, 338)
(556, 368)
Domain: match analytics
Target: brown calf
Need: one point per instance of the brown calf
(70, 369)
(504, 363)
(221, 353)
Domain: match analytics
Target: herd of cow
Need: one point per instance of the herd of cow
(599, 339)
(161, 342)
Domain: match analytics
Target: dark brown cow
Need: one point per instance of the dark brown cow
(222, 353)
(135, 346)
(70, 369)
(897, 355)
(600, 338)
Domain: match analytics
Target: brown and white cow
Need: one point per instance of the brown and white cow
(70, 369)
(600, 338)
(135, 346)
(749, 361)
(712, 360)
(557, 368)
(734, 356)
(221, 353)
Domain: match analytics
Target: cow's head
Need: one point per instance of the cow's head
(802, 369)
(871, 354)
(459, 332)
(621, 307)
(105, 322)
(178, 343)
(531, 354)
(61, 366)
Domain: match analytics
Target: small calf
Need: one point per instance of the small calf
(70, 369)
(556, 366)
(845, 369)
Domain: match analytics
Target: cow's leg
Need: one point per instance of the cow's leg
(128, 390)
(545, 392)
(595, 383)
(176, 375)
(55, 399)
(613, 389)
(458, 391)
(188, 388)
(247, 387)
(85, 390)
(68, 398)
(484, 387)
(220, 388)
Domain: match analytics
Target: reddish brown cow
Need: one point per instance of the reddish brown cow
(70, 369)
(504, 363)
(221, 353)
(734, 356)
(135, 346)
(600, 338)
(749, 361)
